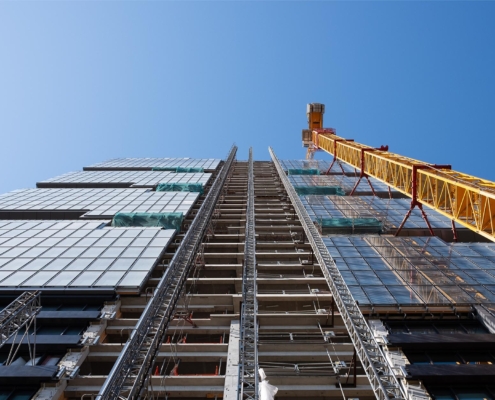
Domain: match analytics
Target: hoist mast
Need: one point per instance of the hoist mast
(464, 199)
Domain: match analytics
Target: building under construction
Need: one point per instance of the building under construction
(368, 276)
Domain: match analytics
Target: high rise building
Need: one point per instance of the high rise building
(166, 278)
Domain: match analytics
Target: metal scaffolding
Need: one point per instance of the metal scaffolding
(18, 314)
(248, 349)
(130, 375)
(380, 374)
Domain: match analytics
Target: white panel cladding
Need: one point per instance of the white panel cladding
(148, 163)
(99, 203)
(131, 178)
(67, 254)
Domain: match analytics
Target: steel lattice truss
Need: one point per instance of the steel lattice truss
(248, 352)
(18, 314)
(129, 377)
(382, 379)
(465, 199)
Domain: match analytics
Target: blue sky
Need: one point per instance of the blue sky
(82, 82)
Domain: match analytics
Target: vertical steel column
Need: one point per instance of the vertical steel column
(380, 374)
(248, 354)
(130, 374)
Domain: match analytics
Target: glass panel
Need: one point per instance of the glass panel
(379, 295)
(359, 295)
(122, 264)
(110, 278)
(153, 252)
(101, 264)
(404, 295)
(132, 252)
(40, 278)
(133, 278)
(79, 264)
(86, 278)
(5, 274)
(37, 264)
(143, 264)
(16, 279)
(63, 279)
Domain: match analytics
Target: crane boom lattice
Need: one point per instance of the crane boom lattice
(465, 199)
(18, 314)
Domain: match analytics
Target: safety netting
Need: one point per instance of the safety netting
(164, 220)
(189, 169)
(171, 169)
(180, 187)
(350, 225)
(301, 171)
(319, 190)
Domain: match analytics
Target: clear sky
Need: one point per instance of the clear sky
(84, 81)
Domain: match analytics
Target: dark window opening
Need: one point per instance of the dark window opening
(435, 327)
(452, 357)
(467, 392)
(17, 394)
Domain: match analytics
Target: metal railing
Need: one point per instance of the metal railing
(248, 346)
(380, 374)
(130, 375)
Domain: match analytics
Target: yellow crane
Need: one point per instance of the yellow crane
(465, 199)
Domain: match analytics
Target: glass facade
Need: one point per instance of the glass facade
(99, 203)
(389, 211)
(343, 181)
(148, 163)
(62, 254)
(383, 270)
(321, 165)
(386, 270)
(120, 178)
